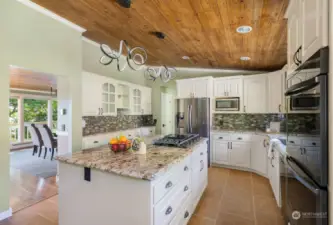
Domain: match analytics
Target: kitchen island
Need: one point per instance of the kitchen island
(97, 186)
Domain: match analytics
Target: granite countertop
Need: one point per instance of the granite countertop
(260, 132)
(157, 161)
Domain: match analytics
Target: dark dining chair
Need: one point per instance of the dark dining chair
(50, 143)
(36, 139)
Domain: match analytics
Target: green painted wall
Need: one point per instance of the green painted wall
(33, 41)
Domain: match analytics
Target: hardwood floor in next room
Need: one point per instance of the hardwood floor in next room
(231, 198)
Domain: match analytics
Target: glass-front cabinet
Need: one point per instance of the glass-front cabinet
(108, 99)
(137, 99)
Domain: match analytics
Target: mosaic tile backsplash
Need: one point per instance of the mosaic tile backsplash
(297, 123)
(105, 124)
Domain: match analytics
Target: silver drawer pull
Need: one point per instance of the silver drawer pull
(240, 138)
(168, 185)
(186, 188)
(95, 142)
(168, 211)
(292, 142)
(186, 168)
(202, 165)
(220, 137)
(313, 143)
(201, 153)
(186, 214)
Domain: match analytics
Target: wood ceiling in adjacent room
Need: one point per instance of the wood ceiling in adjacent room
(205, 30)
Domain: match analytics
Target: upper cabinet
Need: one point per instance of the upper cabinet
(98, 95)
(228, 87)
(195, 88)
(275, 102)
(307, 29)
(255, 94)
(102, 96)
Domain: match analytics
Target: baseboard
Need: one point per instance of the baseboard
(6, 214)
(239, 168)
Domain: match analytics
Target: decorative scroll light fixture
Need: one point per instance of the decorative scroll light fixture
(136, 57)
(164, 72)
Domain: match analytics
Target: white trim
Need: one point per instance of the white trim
(91, 42)
(48, 13)
(6, 214)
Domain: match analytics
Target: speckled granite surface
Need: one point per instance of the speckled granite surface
(157, 161)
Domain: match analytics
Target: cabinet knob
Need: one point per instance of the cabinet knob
(313, 143)
(168, 211)
(201, 153)
(292, 142)
(168, 185)
(186, 168)
(186, 214)
(186, 188)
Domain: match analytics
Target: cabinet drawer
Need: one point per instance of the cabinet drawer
(184, 214)
(311, 143)
(240, 137)
(295, 141)
(200, 151)
(171, 179)
(222, 137)
(166, 209)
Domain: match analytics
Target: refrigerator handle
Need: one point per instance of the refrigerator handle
(190, 118)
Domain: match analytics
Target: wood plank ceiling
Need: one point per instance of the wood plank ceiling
(205, 30)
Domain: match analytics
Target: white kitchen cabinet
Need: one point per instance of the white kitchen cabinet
(275, 92)
(259, 148)
(314, 16)
(195, 88)
(239, 154)
(228, 87)
(136, 99)
(255, 94)
(221, 152)
(274, 175)
(146, 101)
(98, 95)
(294, 32)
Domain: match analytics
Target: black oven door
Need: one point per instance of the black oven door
(307, 202)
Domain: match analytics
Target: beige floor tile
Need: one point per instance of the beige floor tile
(198, 220)
(265, 205)
(230, 219)
(237, 206)
(208, 207)
(262, 189)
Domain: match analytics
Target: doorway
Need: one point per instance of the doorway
(167, 114)
(33, 106)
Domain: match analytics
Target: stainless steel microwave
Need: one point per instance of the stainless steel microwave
(227, 104)
(304, 102)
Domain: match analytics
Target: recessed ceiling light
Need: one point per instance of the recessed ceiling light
(244, 29)
(245, 58)
(185, 57)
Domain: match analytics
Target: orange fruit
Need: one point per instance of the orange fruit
(114, 141)
(122, 139)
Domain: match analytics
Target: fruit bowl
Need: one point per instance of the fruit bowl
(120, 144)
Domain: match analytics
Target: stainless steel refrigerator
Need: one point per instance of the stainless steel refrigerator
(193, 117)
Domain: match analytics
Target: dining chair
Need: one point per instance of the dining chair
(36, 139)
(50, 143)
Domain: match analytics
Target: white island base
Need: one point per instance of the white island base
(111, 199)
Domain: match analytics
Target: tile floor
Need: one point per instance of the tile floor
(231, 198)
(236, 198)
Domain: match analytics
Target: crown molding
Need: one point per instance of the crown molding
(91, 42)
(52, 15)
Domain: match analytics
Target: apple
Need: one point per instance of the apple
(115, 147)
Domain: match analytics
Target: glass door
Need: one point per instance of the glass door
(108, 99)
(136, 101)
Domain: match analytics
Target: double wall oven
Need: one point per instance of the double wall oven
(305, 180)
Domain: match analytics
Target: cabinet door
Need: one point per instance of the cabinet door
(255, 100)
(108, 98)
(146, 100)
(220, 152)
(136, 101)
(275, 92)
(293, 32)
(184, 88)
(220, 87)
(240, 154)
(314, 26)
(259, 154)
(201, 88)
(91, 94)
(234, 87)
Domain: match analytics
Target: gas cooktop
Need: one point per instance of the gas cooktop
(178, 140)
